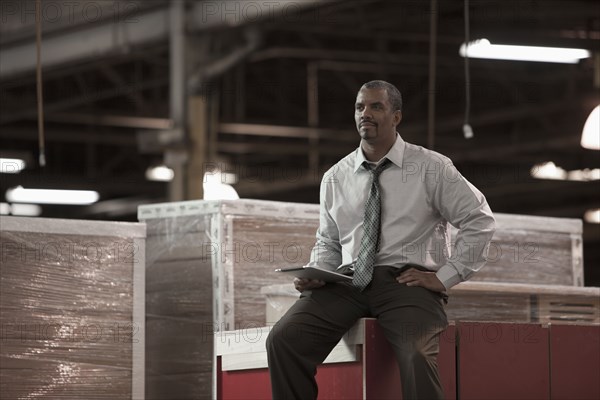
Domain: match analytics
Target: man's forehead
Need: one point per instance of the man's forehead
(372, 95)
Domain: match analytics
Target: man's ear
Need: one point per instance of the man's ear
(397, 117)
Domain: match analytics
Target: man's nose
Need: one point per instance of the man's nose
(365, 113)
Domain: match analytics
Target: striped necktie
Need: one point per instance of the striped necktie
(369, 245)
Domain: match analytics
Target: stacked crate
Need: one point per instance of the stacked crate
(206, 264)
(71, 309)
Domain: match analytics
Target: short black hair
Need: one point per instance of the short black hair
(394, 94)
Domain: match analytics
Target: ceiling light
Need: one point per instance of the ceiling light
(584, 174)
(11, 165)
(219, 191)
(592, 216)
(215, 189)
(160, 173)
(590, 138)
(548, 170)
(482, 48)
(51, 196)
(26, 210)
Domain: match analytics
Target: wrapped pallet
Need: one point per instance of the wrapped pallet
(71, 309)
(533, 249)
(206, 263)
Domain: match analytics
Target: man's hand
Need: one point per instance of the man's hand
(428, 280)
(303, 284)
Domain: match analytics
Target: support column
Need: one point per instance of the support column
(433, 20)
(176, 159)
(199, 116)
(313, 116)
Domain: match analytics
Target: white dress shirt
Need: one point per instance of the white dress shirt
(421, 193)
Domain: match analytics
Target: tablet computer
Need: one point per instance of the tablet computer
(315, 273)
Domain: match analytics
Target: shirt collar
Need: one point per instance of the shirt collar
(395, 155)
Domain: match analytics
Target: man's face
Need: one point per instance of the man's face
(374, 115)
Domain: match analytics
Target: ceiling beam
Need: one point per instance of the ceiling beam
(85, 98)
(55, 135)
(285, 131)
(120, 121)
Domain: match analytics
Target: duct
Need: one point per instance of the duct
(88, 42)
(115, 35)
(19, 17)
(232, 13)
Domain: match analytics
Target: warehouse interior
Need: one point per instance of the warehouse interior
(258, 96)
(276, 87)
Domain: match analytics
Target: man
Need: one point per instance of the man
(384, 217)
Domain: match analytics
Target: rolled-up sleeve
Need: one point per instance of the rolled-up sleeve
(466, 208)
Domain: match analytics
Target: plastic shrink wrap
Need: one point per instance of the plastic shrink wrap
(71, 309)
(206, 263)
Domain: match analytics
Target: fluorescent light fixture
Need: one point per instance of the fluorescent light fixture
(482, 48)
(548, 170)
(11, 165)
(51, 196)
(590, 138)
(592, 216)
(160, 173)
(584, 175)
(26, 210)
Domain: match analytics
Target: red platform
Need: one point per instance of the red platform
(495, 361)
(575, 362)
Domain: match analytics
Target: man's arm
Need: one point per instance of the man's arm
(327, 252)
(465, 207)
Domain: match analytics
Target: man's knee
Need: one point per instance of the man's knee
(415, 355)
(408, 355)
(273, 339)
(281, 334)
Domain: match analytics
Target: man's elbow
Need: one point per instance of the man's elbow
(491, 223)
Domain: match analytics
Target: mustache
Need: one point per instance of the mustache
(361, 123)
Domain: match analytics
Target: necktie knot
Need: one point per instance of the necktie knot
(378, 169)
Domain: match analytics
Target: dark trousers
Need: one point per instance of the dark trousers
(412, 319)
